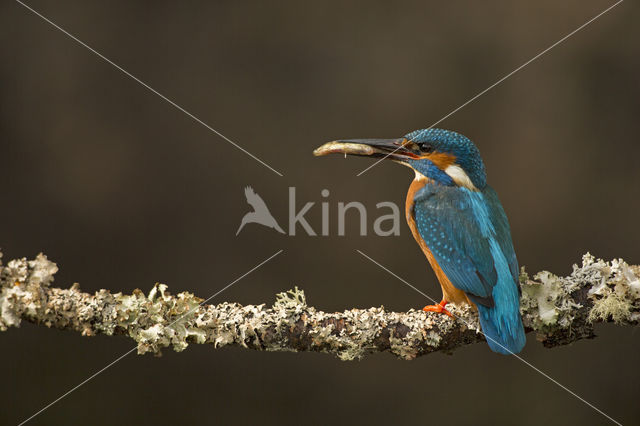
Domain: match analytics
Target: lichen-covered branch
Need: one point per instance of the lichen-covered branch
(559, 309)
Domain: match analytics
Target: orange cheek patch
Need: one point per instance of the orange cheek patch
(440, 159)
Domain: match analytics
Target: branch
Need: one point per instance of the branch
(559, 309)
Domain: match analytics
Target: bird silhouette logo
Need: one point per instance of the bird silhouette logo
(260, 213)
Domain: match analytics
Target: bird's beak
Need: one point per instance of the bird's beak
(392, 149)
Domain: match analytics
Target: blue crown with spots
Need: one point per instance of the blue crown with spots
(466, 153)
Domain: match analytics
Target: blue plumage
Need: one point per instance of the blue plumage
(466, 153)
(459, 223)
(468, 234)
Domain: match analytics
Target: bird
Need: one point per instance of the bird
(260, 213)
(459, 223)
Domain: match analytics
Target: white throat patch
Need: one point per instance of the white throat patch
(460, 177)
(420, 176)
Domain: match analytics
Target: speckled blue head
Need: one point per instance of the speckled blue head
(441, 149)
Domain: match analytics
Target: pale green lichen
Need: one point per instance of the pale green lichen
(617, 293)
(612, 306)
(433, 339)
(21, 280)
(160, 308)
(524, 276)
(549, 297)
(291, 300)
(352, 341)
(557, 307)
(613, 291)
(542, 296)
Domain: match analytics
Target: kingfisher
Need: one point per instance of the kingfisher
(460, 225)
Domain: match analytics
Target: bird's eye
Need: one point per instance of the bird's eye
(426, 147)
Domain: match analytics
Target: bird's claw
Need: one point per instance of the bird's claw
(439, 308)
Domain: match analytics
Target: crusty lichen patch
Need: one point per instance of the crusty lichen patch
(550, 295)
(294, 300)
(20, 292)
(616, 296)
(612, 306)
(560, 309)
(567, 306)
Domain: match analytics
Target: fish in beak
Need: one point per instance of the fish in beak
(392, 149)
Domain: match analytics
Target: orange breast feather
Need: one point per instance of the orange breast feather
(449, 292)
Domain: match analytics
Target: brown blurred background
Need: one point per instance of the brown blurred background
(122, 190)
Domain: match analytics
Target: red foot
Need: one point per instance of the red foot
(439, 308)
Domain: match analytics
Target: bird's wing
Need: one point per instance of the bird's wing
(254, 199)
(503, 232)
(458, 226)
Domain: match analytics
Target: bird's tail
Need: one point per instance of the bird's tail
(502, 328)
(242, 224)
(277, 227)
